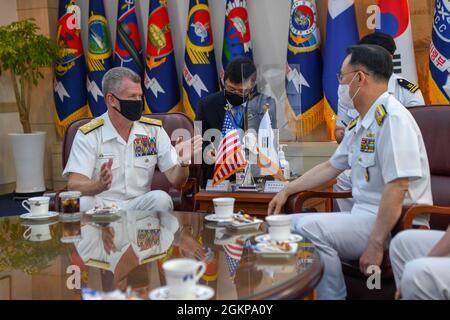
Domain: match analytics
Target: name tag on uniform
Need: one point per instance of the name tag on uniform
(144, 146)
(368, 145)
(104, 157)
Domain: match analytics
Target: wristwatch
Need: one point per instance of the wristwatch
(184, 163)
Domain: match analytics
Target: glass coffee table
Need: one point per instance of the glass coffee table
(52, 259)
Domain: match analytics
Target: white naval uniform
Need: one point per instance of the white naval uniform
(346, 114)
(378, 154)
(132, 170)
(146, 232)
(420, 277)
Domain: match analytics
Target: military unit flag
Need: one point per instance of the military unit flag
(304, 94)
(439, 76)
(70, 68)
(162, 92)
(128, 51)
(236, 40)
(200, 72)
(99, 56)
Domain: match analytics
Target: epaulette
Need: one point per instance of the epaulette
(353, 123)
(411, 87)
(154, 122)
(380, 114)
(92, 125)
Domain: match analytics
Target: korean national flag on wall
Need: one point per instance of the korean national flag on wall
(394, 20)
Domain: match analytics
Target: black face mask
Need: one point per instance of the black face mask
(130, 109)
(235, 99)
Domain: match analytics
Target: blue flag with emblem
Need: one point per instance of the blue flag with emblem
(99, 56)
(161, 89)
(128, 51)
(200, 72)
(236, 40)
(342, 33)
(70, 68)
(439, 61)
(304, 103)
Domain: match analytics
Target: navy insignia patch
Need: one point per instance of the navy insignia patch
(380, 114)
(411, 87)
(154, 122)
(353, 123)
(92, 125)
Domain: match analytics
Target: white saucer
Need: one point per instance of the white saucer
(201, 293)
(49, 215)
(214, 218)
(38, 223)
(266, 238)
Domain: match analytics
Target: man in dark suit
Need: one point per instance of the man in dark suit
(246, 105)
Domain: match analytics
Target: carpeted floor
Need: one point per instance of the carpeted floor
(9, 206)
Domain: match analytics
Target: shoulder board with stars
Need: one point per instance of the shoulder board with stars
(380, 114)
(154, 122)
(353, 123)
(411, 87)
(92, 125)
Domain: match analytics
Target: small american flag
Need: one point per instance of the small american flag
(230, 157)
(233, 254)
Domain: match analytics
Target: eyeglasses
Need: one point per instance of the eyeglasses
(341, 75)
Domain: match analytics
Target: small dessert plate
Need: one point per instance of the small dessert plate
(201, 292)
(266, 238)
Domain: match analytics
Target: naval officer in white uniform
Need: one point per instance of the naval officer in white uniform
(385, 150)
(113, 157)
(406, 92)
(421, 263)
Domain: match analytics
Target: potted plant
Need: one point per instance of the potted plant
(23, 52)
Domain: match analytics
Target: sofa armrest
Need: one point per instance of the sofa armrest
(415, 210)
(295, 202)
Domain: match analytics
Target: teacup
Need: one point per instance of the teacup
(37, 206)
(223, 207)
(279, 227)
(182, 276)
(38, 233)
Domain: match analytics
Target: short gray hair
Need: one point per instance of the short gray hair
(112, 80)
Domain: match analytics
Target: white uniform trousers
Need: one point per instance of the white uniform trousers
(156, 200)
(337, 235)
(419, 276)
(344, 183)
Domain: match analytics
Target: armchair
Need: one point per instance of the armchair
(434, 123)
(183, 199)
